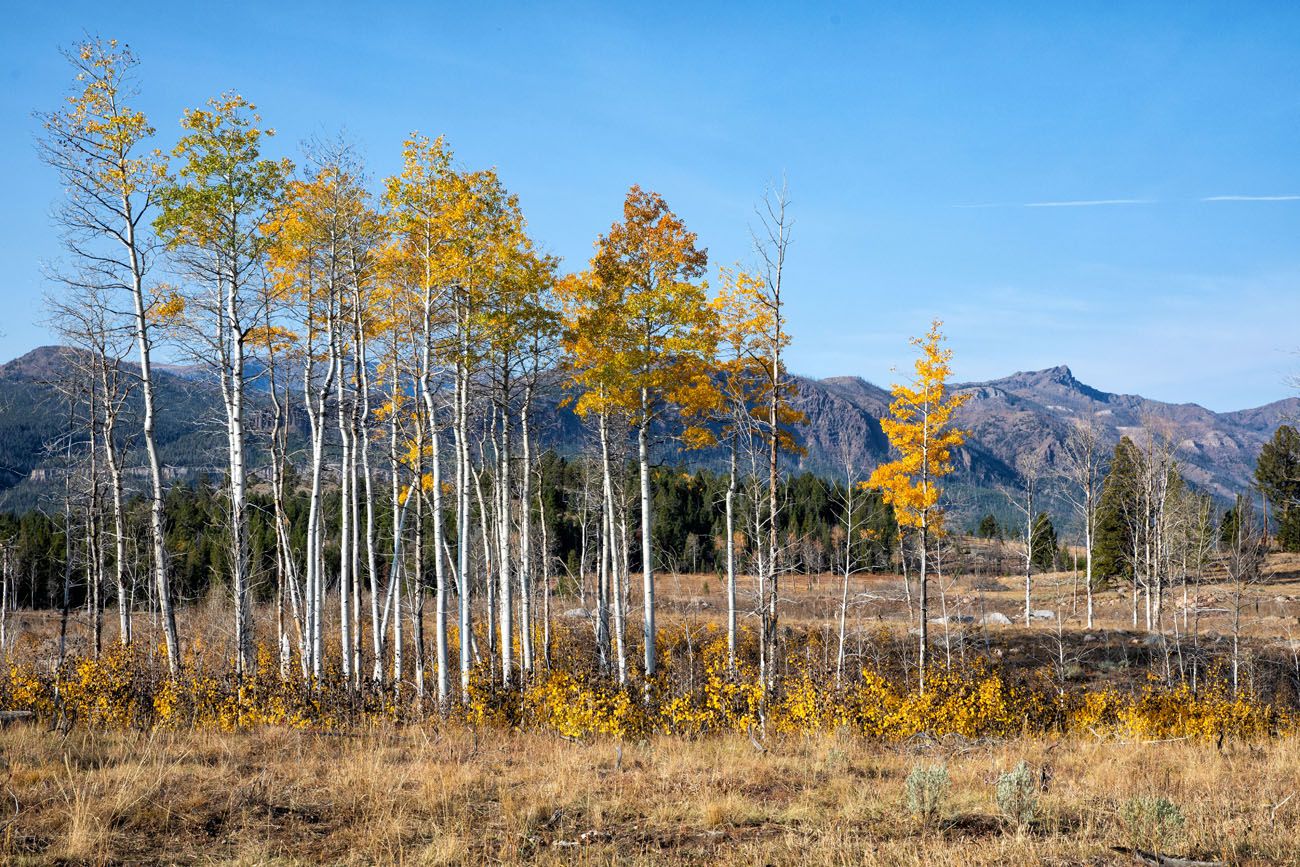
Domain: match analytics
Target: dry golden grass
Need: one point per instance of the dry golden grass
(411, 796)
(453, 795)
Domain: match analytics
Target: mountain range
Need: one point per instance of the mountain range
(1034, 412)
(1026, 412)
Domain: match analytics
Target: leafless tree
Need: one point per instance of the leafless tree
(1030, 467)
(1243, 557)
(1084, 466)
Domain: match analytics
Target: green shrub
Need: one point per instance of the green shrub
(1017, 795)
(927, 788)
(1152, 821)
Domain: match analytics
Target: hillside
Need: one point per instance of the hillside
(33, 417)
(1033, 411)
(1027, 411)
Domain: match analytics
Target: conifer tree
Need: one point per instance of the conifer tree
(1112, 541)
(1277, 473)
(1045, 543)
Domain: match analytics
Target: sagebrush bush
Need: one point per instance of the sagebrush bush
(1152, 821)
(1017, 795)
(927, 788)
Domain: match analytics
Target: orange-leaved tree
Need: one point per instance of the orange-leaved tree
(920, 429)
(640, 335)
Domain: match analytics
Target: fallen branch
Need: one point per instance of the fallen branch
(1273, 808)
(1155, 859)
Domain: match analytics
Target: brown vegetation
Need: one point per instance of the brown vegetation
(460, 796)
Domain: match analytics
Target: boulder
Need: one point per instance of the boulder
(577, 613)
(996, 618)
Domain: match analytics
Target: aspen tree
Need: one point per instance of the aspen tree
(1029, 468)
(661, 346)
(364, 258)
(744, 320)
(851, 529)
(277, 344)
(920, 429)
(213, 216)
(417, 210)
(1084, 463)
(98, 145)
(772, 243)
(86, 321)
(303, 265)
(517, 323)
(591, 313)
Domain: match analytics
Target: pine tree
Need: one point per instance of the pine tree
(1045, 544)
(1278, 475)
(1113, 542)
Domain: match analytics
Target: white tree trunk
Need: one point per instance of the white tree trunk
(144, 348)
(731, 561)
(647, 547)
(525, 542)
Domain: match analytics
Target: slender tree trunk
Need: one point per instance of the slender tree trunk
(606, 593)
(345, 507)
(233, 382)
(647, 546)
(94, 547)
(923, 657)
(114, 461)
(417, 594)
(848, 571)
(525, 540)
(546, 575)
(1087, 538)
(144, 348)
(505, 602)
(315, 399)
(462, 505)
(731, 560)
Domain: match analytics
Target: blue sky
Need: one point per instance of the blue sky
(1061, 183)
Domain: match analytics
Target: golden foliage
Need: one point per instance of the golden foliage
(919, 429)
(127, 688)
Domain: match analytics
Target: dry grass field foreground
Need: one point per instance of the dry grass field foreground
(454, 793)
(406, 796)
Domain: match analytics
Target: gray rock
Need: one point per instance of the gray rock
(1042, 614)
(577, 613)
(996, 618)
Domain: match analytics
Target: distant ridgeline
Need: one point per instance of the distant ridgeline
(1008, 417)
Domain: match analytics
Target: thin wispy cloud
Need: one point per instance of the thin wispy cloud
(1285, 198)
(1089, 203)
(1068, 203)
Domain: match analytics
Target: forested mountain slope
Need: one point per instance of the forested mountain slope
(1025, 412)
